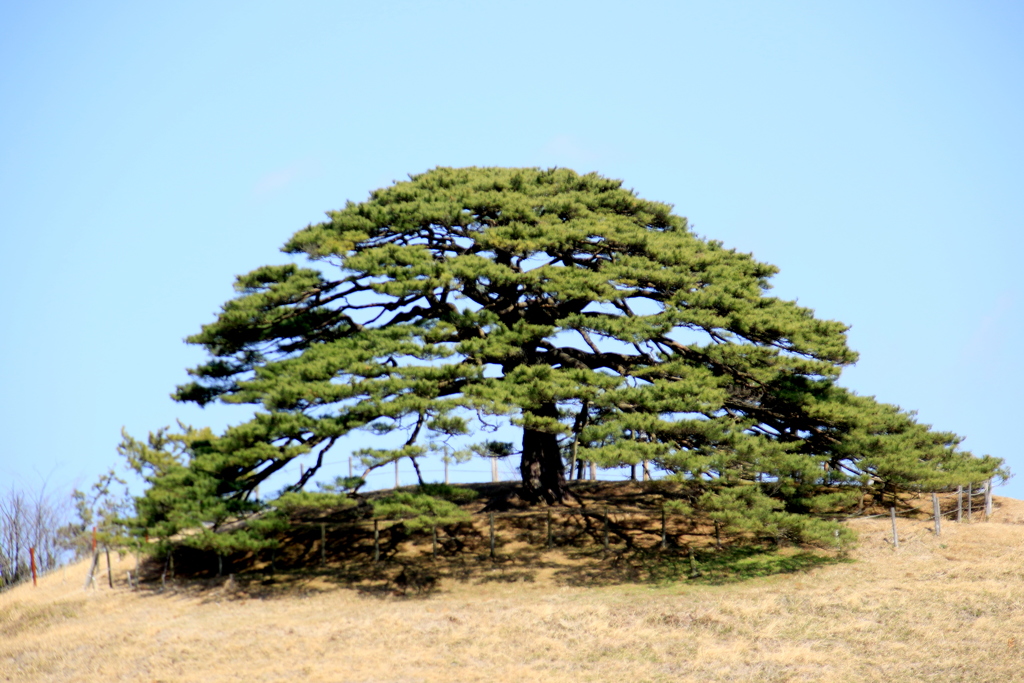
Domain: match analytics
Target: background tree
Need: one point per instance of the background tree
(185, 494)
(107, 506)
(30, 520)
(574, 309)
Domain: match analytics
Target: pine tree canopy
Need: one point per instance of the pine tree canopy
(595, 321)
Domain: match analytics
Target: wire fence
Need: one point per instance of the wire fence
(548, 528)
(602, 524)
(403, 473)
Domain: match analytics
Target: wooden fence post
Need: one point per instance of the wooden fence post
(376, 541)
(549, 529)
(664, 532)
(970, 501)
(605, 516)
(959, 504)
(988, 499)
(110, 574)
(492, 534)
(938, 515)
(92, 569)
(895, 536)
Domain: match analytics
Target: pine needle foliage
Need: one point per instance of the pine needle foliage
(459, 495)
(187, 502)
(562, 304)
(418, 511)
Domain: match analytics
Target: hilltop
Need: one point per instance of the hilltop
(936, 608)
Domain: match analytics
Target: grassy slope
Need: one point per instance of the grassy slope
(948, 608)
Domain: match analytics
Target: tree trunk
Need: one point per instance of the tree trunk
(419, 475)
(542, 468)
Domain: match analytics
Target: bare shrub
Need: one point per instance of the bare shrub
(31, 520)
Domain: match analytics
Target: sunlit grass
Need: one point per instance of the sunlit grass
(946, 608)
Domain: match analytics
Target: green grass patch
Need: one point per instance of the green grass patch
(731, 565)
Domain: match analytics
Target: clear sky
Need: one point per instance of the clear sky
(150, 152)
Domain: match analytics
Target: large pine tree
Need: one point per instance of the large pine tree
(594, 320)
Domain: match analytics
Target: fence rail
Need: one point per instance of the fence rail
(609, 518)
(606, 517)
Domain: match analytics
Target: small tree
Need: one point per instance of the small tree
(186, 502)
(109, 508)
(30, 520)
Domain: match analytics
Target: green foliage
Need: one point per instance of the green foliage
(191, 498)
(732, 565)
(562, 304)
(677, 507)
(418, 511)
(459, 495)
(293, 502)
(333, 497)
(831, 501)
(745, 509)
(343, 485)
(109, 508)
(493, 449)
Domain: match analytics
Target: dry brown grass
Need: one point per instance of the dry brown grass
(948, 608)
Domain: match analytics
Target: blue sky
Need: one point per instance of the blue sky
(151, 152)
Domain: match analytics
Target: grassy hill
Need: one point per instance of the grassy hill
(946, 608)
